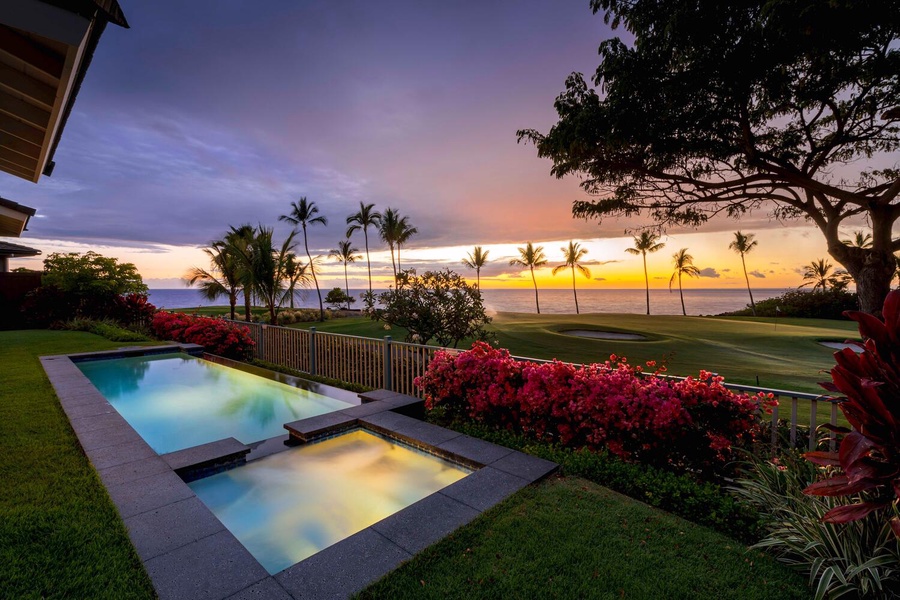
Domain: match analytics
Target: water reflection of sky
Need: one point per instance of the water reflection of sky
(176, 401)
(290, 505)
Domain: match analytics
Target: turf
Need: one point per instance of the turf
(570, 538)
(780, 354)
(60, 536)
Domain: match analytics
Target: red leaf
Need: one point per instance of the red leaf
(851, 512)
(839, 485)
(854, 447)
(825, 459)
(835, 428)
(895, 526)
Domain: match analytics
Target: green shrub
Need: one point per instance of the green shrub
(703, 503)
(104, 328)
(859, 559)
(829, 304)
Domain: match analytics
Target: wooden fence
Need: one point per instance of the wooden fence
(394, 366)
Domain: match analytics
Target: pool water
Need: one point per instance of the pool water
(288, 506)
(175, 401)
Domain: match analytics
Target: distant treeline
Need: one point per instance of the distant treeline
(828, 304)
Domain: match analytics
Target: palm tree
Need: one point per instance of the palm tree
(267, 263)
(572, 254)
(346, 254)
(388, 230)
(223, 276)
(531, 257)
(743, 244)
(684, 265)
(818, 275)
(304, 213)
(860, 239)
(404, 232)
(475, 260)
(365, 218)
(238, 239)
(296, 273)
(644, 243)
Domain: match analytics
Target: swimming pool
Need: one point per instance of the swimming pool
(288, 506)
(176, 401)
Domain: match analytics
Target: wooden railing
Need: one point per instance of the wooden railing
(384, 363)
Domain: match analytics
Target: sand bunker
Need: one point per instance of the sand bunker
(603, 335)
(841, 346)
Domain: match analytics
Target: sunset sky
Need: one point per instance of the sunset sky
(210, 114)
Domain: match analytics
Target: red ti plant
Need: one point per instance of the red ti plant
(869, 455)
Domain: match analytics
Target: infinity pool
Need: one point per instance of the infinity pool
(175, 401)
(288, 506)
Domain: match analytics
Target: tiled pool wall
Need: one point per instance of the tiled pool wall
(187, 551)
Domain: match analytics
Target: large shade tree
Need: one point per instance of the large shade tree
(722, 108)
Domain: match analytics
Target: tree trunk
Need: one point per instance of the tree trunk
(347, 285)
(646, 282)
(368, 262)
(537, 302)
(248, 314)
(312, 269)
(752, 305)
(232, 301)
(574, 291)
(681, 293)
(872, 270)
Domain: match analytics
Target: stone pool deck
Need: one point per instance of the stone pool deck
(187, 551)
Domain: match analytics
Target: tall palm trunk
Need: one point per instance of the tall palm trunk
(312, 270)
(536, 301)
(647, 282)
(478, 278)
(393, 264)
(232, 301)
(574, 291)
(248, 313)
(749, 291)
(347, 285)
(368, 261)
(681, 293)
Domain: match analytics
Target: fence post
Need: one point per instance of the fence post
(261, 354)
(312, 350)
(388, 383)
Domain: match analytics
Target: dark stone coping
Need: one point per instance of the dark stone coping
(189, 554)
(206, 459)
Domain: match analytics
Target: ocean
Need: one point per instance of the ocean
(697, 301)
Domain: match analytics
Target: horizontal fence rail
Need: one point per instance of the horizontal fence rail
(387, 364)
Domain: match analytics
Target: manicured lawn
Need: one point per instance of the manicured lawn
(60, 536)
(783, 354)
(570, 538)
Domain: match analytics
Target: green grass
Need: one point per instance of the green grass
(570, 538)
(60, 536)
(783, 354)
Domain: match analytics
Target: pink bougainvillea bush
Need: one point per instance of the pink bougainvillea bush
(694, 423)
(215, 335)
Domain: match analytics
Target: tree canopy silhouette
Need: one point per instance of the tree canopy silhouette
(730, 107)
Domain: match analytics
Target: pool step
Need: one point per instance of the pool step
(206, 459)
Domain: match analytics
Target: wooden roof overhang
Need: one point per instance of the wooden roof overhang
(13, 218)
(45, 50)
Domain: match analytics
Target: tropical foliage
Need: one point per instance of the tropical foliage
(692, 424)
(531, 257)
(338, 297)
(345, 253)
(647, 242)
(707, 108)
(855, 560)
(743, 244)
(573, 254)
(476, 259)
(684, 265)
(217, 336)
(869, 456)
(304, 214)
(818, 274)
(802, 303)
(364, 218)
(437, 305)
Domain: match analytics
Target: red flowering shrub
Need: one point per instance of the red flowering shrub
(133, 309)
(690, 424)
(215, 335)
